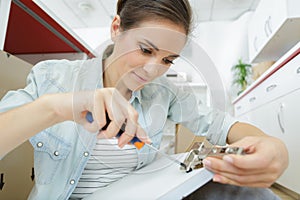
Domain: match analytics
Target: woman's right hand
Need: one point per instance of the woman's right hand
(74, 106)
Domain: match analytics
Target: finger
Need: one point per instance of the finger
(238, 182)
(118, 118)
(220, 165)
(100, 118)
(119, 108)
(237, 176)
(249, 180)
(249, 161)
(244, 177)
(142, 135)
(130, 129)
(124, 139)
(111, 131)
(132, 123)
(134, 127)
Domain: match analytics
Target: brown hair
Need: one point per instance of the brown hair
(133, 12)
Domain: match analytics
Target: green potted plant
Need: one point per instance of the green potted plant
(241, 72)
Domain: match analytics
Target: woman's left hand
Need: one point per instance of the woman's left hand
(265, 160)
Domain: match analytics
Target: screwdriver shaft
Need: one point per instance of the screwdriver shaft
(165, 155)
(135, 140)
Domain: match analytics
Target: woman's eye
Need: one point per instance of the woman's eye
(145, 50)
(167, 61)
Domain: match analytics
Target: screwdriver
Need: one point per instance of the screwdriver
(135, 140)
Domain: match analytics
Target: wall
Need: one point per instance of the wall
(225, 42)
(16, 168)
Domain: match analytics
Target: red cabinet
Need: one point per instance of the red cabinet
(30, 30)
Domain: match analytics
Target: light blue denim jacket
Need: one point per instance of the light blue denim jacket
(62, 151)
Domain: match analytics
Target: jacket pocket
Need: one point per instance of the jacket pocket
(49, 152)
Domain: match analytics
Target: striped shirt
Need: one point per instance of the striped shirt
(107, 164)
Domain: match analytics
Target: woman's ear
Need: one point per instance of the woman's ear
(115, 27)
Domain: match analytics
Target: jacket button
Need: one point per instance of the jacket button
(39, 144)
(86, 154)
(56, 153)
(72, 182)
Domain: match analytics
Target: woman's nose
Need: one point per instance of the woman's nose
(153, 66)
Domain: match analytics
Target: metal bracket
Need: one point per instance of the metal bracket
(194, 158)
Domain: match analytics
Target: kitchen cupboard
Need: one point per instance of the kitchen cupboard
(29, 31)
(16, 168)
(272, 104)
(273, 29)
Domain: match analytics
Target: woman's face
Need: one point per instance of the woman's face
(147, 52)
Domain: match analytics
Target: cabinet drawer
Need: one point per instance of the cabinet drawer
(283, 81)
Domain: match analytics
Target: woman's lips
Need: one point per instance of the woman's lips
(139, 78)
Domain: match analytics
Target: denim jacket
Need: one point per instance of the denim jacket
(62, 151)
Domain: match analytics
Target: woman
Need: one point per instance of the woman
(126, 84)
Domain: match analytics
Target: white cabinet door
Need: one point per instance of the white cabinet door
(288, 118)
(274, 29)
(281, 118)
(265, 21)
(4, 15)
(265, 118)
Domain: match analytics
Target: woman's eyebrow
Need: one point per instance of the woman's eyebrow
(157, 49)
(151, 44)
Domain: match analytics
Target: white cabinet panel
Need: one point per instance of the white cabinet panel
(274, 29)
(4, 14)
(288, 118)
(17, 166)
(265, 118)
(273, 106)
(282, 82)
(280, 118)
